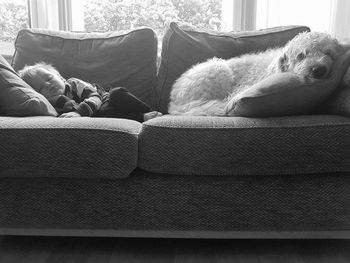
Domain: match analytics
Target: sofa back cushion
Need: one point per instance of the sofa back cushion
(185, 46)
(110, 59)
(17, 98)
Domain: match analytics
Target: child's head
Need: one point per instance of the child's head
(45, 79)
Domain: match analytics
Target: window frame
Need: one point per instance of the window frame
(61, 14)
(340, 21)
(54, 14)
(237, 15)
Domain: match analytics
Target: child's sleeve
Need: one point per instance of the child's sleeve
(86, 94)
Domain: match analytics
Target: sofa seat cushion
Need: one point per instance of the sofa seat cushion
(245, 146)
(68, 147)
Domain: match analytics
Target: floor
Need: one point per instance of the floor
(108, 250)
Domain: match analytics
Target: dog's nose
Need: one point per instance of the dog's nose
(318, 72)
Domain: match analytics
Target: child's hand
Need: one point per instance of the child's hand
(71, 114)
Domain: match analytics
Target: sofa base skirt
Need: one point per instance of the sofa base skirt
(176, 234)
(161, 205)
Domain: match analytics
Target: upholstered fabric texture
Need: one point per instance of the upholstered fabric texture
(68, 147)
(338, 103)
(245, 146)
(17, 98)
(112, 59)
(151, 202)
(185, 46)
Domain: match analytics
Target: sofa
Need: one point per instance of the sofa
(172, 176)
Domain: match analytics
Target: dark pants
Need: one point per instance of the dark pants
(119, 103)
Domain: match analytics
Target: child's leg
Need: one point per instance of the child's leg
(120, 103)
(109, 112)
(122, 100)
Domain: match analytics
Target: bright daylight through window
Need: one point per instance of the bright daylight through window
(119, 15)
(225, 15)
(14, 16)
(272, 13)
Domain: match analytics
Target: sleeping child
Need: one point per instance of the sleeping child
(76, 98)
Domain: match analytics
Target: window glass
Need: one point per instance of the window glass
(315, 14)
(14, 16)
(102, 15)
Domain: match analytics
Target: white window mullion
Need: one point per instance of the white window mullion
(249, 14)
(340, 19)
(239, 15)
(63, 16)
(52, 14)
(43, 13)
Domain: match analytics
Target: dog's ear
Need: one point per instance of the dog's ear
(283, 63)
(279, 64)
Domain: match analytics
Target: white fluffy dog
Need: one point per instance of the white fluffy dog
(209, 88)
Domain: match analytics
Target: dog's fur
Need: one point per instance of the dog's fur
(209, 88)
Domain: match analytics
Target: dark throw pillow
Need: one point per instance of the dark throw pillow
(17, 98)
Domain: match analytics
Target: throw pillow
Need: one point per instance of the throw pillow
(126, 58)
(288, 94)
(338, 103)
(184, 46)
(17, 98)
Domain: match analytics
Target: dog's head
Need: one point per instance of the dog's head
(311, 54)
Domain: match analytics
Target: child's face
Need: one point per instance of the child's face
(47, 83)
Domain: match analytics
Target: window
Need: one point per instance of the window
(225, 15)
(14, 16)
(330, 16)
(271, 13)
(102, 15)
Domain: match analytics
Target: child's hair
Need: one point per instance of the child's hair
(27, 72)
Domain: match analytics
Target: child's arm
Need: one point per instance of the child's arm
(65, 106)
(87, 96)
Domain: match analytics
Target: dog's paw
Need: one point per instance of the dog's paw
(230, 106)
(151, 115)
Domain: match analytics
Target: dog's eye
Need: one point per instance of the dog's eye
(285, 58)
(301, 56)
(328, 52)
